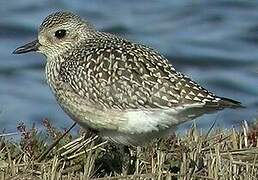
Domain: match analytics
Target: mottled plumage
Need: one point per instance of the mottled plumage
(123, 90)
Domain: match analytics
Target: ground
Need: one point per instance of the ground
(56, 154)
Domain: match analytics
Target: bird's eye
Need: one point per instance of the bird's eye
(60, 33)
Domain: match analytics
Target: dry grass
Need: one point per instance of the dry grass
(220, 154)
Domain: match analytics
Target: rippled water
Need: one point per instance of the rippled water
(215, 43)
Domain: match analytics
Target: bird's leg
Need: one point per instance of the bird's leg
(132, 159)
(128, 160)
(138, 150)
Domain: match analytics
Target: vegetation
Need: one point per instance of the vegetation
(218, 154)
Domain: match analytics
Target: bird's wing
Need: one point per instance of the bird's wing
(119, 74)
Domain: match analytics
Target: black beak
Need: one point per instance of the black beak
(32, 46)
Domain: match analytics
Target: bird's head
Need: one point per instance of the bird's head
(58, 32)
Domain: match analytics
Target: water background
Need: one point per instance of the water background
(213, 42)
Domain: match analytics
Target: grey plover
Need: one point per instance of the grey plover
(122, 90)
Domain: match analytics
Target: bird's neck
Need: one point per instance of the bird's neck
(52, 72)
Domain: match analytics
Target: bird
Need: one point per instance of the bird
(124, 91)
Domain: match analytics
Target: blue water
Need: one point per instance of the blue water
(213, 42)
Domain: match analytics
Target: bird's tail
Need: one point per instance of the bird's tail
(229, 103)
